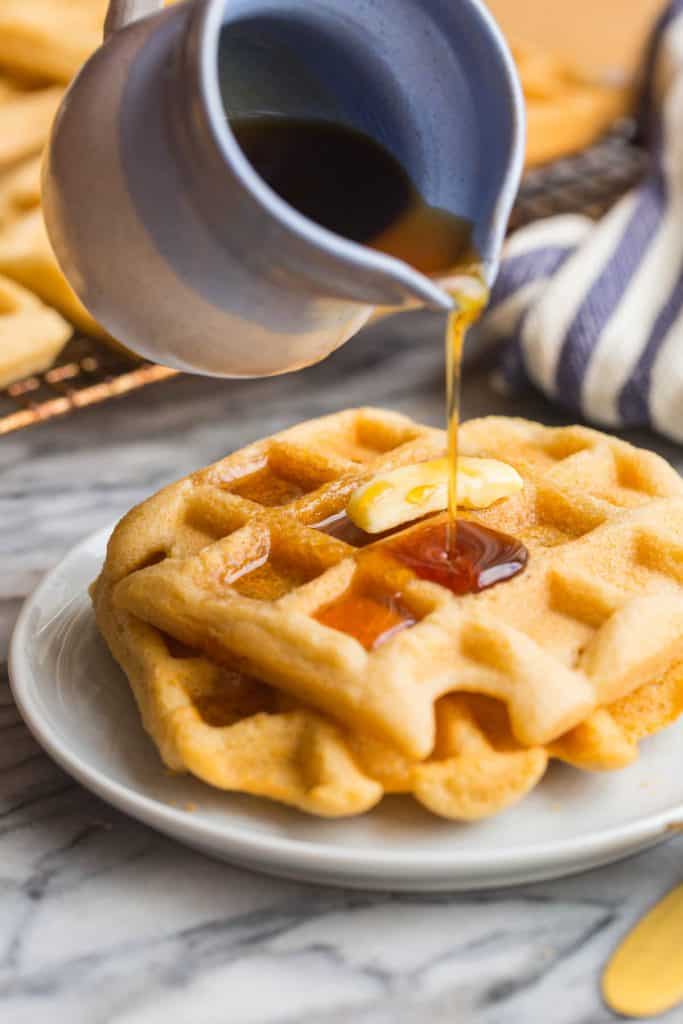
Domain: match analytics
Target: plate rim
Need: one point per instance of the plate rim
(527, 861)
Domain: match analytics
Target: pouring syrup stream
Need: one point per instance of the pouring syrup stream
(470, 298)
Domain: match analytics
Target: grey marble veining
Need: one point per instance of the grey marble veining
(102, 921)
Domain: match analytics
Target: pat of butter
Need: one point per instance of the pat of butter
(401, 495)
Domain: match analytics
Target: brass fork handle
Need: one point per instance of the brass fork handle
(124, 12)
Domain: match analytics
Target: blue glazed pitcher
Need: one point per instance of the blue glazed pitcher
(171, 238)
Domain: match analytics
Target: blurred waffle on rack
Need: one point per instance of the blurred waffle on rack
(579, 65)
(566, 108)
(42, 44)
(44, 369)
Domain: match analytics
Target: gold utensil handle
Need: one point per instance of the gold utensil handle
(644, 976)
(124, 12)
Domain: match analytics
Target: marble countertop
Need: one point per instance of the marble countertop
(102, 921)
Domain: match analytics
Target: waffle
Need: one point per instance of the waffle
(587, 498)
(478, 769)
(229, 729)
(26, 257)
(31, 335)
(25, 120)
(49, 39)
(43, 43)
(19, 189)
(565, 109)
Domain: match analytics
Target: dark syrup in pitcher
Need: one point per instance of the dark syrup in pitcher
(347, 182)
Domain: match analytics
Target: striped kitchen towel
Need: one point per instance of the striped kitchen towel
(594, 311)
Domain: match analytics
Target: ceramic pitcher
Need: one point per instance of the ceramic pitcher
(180, 249)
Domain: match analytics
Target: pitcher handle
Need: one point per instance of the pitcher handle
(124, 12)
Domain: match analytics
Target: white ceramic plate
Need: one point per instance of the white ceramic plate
(76, 702)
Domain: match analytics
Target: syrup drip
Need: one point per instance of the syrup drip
(480, 558)
(370, 619)
(467, 311)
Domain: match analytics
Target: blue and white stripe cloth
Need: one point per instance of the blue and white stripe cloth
(594, 311)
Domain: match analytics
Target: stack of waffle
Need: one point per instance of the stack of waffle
(212, 591)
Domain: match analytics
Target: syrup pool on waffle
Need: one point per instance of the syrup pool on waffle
(480, 558)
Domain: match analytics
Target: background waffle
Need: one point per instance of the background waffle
(566, 109)
(240, 734)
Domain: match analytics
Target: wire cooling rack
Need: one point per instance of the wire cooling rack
(89, 371)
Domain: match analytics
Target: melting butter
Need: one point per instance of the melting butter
(401, 495)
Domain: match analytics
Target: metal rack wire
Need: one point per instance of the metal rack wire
(89, 371)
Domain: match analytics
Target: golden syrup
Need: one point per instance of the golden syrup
(341, 527)
(476, 558)
(469, 305)
(369, 618)
(480, 558)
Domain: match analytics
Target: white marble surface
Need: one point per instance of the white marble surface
(104, 922)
